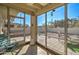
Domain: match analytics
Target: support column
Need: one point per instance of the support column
(65, 28)
(33, 30)
(8, 23)
(46, 31)
(24, 28)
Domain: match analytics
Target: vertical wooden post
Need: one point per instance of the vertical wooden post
(8, 23)
(65, 28)
(46, 31)
(33, 30)
(24, 28)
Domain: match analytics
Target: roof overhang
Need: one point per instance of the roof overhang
(34, 8)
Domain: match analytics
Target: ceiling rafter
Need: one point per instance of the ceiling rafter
(49, 7)
(34, 8)
(19, 6)
(24, 6)
(38, 5)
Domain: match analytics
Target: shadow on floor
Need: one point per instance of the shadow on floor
(18, 51)
(32, 50)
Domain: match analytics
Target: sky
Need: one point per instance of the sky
(20, 21)
(58, 14)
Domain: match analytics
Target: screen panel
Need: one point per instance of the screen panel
(73, 28)
(55, 30)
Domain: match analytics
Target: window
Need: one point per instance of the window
(41, 29)
(55, 30)
(73, 28)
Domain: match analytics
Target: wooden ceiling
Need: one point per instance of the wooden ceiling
(34, 8)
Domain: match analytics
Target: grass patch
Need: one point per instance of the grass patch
(74, 47)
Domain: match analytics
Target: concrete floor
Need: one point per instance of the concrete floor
(27, 50)
(52, 42)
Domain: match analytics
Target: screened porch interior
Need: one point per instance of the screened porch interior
(39, 29)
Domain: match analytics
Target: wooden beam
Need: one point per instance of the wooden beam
(46, 31)
(24, 22)
(25, 6)
(31, 6)
(18, 6)
(65, 29)
(37, 5)
(8, 23)
(49, 7)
